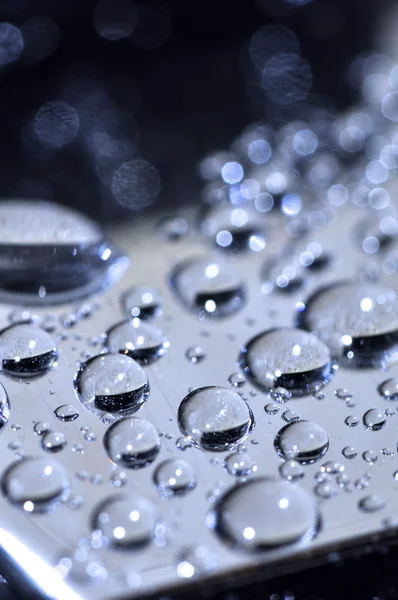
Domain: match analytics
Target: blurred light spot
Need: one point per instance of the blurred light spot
(370, 245)
(115, 19)
(291, 204)
(376, 172)
(269, 41)
(338, 194)
(305, 142)
(11, 43)
(379, 198)
(389, 156)
(136, 184)
(375, 87)
(351, 139)
(276, 182)
(389, 106)
(264, 202)
(232, 172)
(286, 78)
(56, 124)
(41, 38)
(259, 152)
(154, 25)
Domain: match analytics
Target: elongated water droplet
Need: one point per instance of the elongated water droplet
(139, 340)
(303, 441)
(112, 383)
(36, 484)
(371, 503)
(174, 477)
(264, 513)
(126, 521)
(287, 358)
(66, 412)
(142, 302)
(358, 322)
(133, 443)
(26, 350)
(210, 287)
(215, 418)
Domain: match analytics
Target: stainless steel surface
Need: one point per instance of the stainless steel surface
(33, 544)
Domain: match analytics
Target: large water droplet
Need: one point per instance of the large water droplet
(389, 389)
(234, 228)
(215, 418)
(287, 358)
(137, 339)
(174, 477)
(112, 383)
(264, 513)
(303, 441)
(61, 254)
(209, 287)
(142, 302)
(126, 521)
(374, 419)
(26, 350)
(36, 484)
(358, 322)
(133, 443)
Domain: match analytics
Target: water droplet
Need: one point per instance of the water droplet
(291, 515)
(4, 407)
(174, 477)
(290, 416)
(173, 228)
(239, 464)
(271, 409)
(90, 436)
(343, 394)
(280, 394)
(303, 441)
(291, 470)
(133, 443)
(215, 418)
(53, 441)
(351, 421)
(112, 383)
(195, 354)
(36, 484)
(234, 228)
(371, 503)
(139, 340)
(374, 419)
(26, 350)
(358, 322)
(389, 389)
(126, 521)
(143, 303)
(288, 358)
(118, 479)
(78, 448)
(209, 287)
(196, 561)
(387, 452)
(82, 566)
(325, 491)
(182, 443)
(61, 254)
(66, 412)
(41, 427)
(332, 467)
(237, 379)
(369, 456)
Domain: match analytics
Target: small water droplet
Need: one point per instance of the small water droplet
(142, 302)
(234, 228)
(237, 379)
(126, 521)
(342, 480)
(239, 464)
(343, 394)
(78, 448)
(90, 436)
(287, 358)
(370, 456)
(112, 383)
(173, 228)
(291, 470)
(325, 491)
(215, 418)
(141, 341)
(271, 409)
(66, 412)
(196, 561)
(371, 503)
(118, 479)
(332, 467)
(36, 484)
(133, 443)
(195, 354)
(351, 421)
(290, 416)
(26, 350)
(303, 441)
(349, 452)
(53, 441)
(41, 427)
(389, 389)
(280, 394)
(387, 451)
(374, 419)
(182, 443)
(174, 478)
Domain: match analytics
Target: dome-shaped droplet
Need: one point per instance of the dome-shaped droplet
(374, 419)
(209, 287)
(53, 441)
(291, 470)
(174, 477)
(287, 358)
(358, 322)
(239, 464)
(139, 340)
(126, 521)
(142, 302)
(215, 418)
(112, 383)
(303, 441)
(234, 228)
(61, 254)
(133, 443)
(26, 350)
(4, 407)
(66, 412)
(264, 513)
(371, 503)
(36, 484)
(389, 389)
